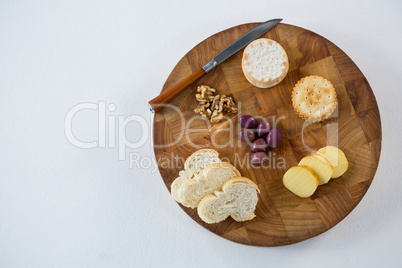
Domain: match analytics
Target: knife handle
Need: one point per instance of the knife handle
(157, 104)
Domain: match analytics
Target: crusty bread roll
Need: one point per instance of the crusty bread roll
(237, 199)
(212, 179)
(265, 63)
(193, 166)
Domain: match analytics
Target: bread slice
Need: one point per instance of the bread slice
(193, 166)
(237, 199)
(212, 179)
(174, 188)
(265, 63)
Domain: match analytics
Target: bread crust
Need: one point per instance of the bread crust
(176, 184)
(239, 180)
(223, 165)
(252, 216)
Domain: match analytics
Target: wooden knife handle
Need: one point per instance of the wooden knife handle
(159, 102)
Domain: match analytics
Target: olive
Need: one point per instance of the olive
(274, 137)
(259, 158)
(246, 135)
(247, 121)
(259, 145)
(263, 128)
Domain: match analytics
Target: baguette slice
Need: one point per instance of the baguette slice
(301, 181)
(320, 165)
(212, 179)
(174, 188)
(237, 199)
(193, 166)
(337, 158)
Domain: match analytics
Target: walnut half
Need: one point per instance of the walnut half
(203, 110)
(206, 93)
(216, 116)
(212, 106)
(227, 105)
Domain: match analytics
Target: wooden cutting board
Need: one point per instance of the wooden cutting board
(282, 218)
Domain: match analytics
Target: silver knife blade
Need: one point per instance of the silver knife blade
(243, 41)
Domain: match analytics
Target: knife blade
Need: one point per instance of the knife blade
(156, 104)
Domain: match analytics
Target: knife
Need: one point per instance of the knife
(157, 104)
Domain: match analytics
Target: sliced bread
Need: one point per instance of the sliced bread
(193, 166)
(212, 179)
(237, 199)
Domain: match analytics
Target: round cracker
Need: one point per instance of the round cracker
(314, 98)
(265, 63)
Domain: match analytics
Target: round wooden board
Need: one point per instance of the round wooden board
(281, 217)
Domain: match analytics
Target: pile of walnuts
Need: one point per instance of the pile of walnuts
(212, 106)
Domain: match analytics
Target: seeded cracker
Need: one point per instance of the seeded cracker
(314, 98)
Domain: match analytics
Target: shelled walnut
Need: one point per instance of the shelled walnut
(206, 93)
(212, 106)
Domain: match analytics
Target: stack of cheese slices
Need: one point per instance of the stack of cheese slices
(215, 188)
(314, 170)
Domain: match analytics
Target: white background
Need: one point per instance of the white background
(61, 206)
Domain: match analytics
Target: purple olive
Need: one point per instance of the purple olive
(259, 145)
(247, 121)
(259, 158)
(274, 137)
(246, 135)
(263, 128)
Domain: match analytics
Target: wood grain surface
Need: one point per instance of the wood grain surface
(282, 217)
